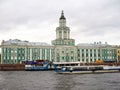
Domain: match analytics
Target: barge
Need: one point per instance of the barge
(88, 69)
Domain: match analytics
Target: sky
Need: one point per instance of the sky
(36, 20)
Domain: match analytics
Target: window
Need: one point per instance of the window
(60, 32)
(82, 50)
(94, 59)
(90, 60)
(71, 57)
(82, 55)
(86, 54)
(71, 51)
(90, 54)
(86, 60)
(90, 50)
(95, 54)
(98, 50)
(83, 60)
(86, 50)
(98, 54)
(68, 42)
(62, 58)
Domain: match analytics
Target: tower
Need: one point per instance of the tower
(64, 50)
(63, 33)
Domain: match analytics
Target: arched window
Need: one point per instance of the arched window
(64, 31)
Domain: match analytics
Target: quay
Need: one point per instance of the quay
(12, 67)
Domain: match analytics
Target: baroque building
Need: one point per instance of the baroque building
(63, 49)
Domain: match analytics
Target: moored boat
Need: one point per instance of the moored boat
(39, 65)
(88, 69)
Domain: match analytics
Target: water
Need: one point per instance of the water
(49, 80)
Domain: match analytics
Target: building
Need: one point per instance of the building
(15, 51)
(63, 49)
(0, 57)
(118, 54)
(93, 52)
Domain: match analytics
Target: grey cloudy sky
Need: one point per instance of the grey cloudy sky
(36, 20)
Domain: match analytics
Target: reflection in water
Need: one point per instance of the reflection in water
(64, 82)
(49, 80)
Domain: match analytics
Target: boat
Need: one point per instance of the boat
(39, 65)
(88, 69)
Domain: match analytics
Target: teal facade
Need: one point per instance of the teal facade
(109, 54)
(88, 54)
(17, 54)
(93, 53)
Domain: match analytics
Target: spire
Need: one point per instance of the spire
(62, 15)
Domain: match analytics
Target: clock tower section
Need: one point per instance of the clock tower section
(63, 33)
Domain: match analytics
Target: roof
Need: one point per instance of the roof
(20, 42)
(62, 15)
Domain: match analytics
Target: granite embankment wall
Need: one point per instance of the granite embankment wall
(12, 67)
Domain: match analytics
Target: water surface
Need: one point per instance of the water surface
(49, 80)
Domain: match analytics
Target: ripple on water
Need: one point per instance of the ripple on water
(23, 80)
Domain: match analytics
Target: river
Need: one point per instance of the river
(49, 80)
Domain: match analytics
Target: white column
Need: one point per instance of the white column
(30, 53)
(40, 53)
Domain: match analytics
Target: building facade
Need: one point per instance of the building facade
(63, 49)
(118, 54)
(15, 51)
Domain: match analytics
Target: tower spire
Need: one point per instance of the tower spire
(62, 15)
